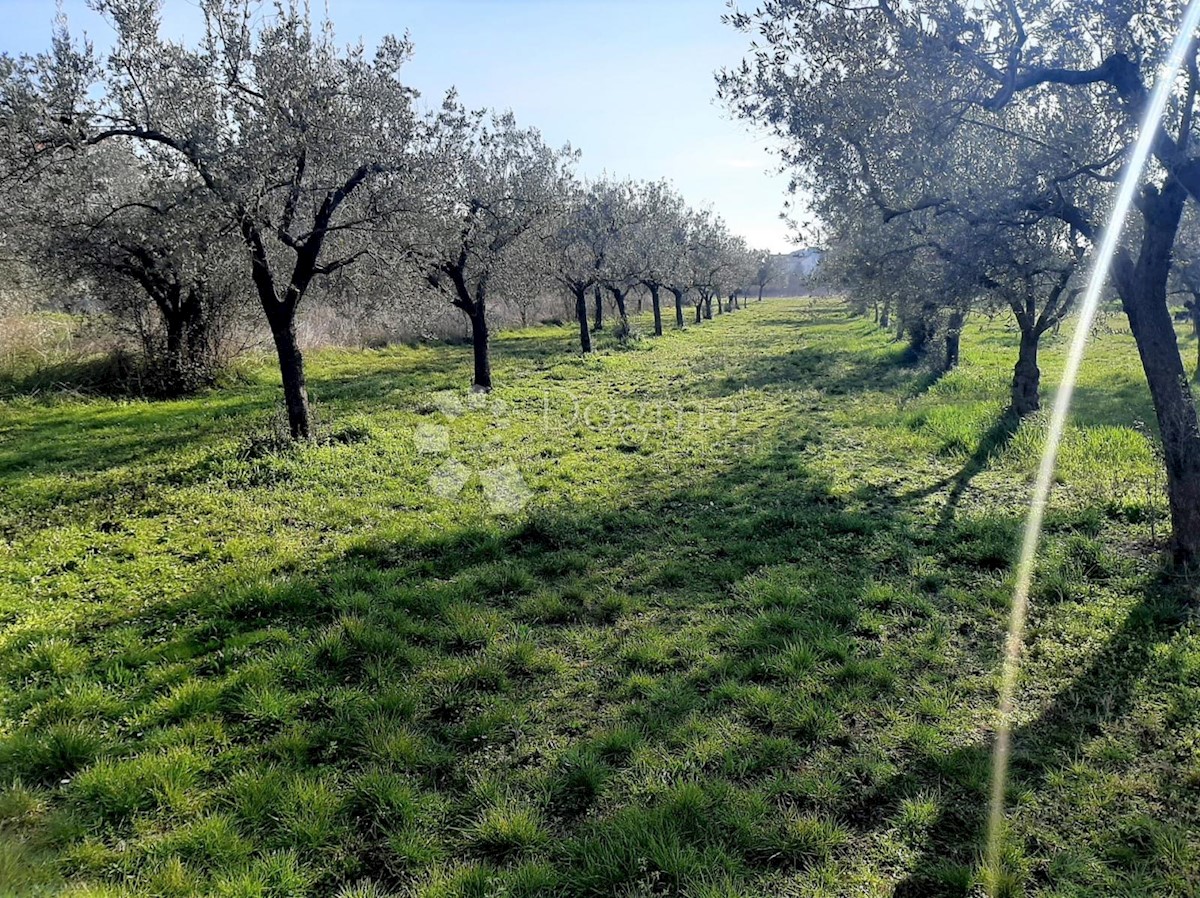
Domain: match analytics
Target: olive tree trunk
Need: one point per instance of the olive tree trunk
(176, 364)
(678, 294)
(481, 350)
(657, 307)
(1142, 285)
(953, 339)
(1027, 376)
(622, 312)
(291, 370)
(581, 314)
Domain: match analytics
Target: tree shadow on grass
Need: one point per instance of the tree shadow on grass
(496, 651)
(55, 450)
(399, 661)
(1123, 404)
(70, 439)
(697, 640)
(114, 375)
(925, 382)
(548, 345)
(817, 314)
(833, 372)
(1052, 740)
(991, 445)
(403, 372)
(418, 371)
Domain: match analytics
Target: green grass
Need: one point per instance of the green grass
(743, 639)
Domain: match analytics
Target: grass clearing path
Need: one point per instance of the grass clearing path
(742, 639)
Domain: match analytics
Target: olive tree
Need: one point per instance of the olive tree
(744, 271)
(767, 270)
(307, 147)
(150, 246)
(497, 191)
(679, 272)
(932, 269)
(867, 260)
(587, 241)
(714, 259)
(657, 244)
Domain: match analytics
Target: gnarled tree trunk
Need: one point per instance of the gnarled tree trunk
(479, 345)
(1142, 285)
(599, 297)
(281, 316)
(619, 298)
(1026, 382)
(176, 365)
(953, 339)
(184, 356)
(657, 307)
(473, 303)
(1024, 398)
(678, 294)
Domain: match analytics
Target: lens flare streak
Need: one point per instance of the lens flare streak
(1102, 263)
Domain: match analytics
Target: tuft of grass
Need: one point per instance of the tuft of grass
(579, 779)
(52, 754)
(505, 830)
(802, 841)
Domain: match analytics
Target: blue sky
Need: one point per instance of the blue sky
(628, 82)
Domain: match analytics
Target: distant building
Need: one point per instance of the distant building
(797, 269)
(805, 261)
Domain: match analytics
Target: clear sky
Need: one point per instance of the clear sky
(628, 82)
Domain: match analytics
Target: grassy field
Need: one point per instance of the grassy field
(717, 614)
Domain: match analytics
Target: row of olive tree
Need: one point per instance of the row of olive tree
(266, 161)
(998, 131)
(266, 139)
(924, 274)
(624, 236)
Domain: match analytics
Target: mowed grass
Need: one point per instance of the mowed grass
(742, 639)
